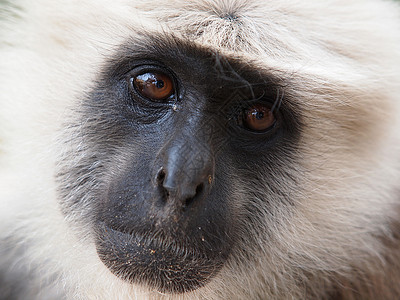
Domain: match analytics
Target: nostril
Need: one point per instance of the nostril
(161, 176)
(199, 191)
(199, 188)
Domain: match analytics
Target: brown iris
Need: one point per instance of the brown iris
(258, 117)
(154, 85)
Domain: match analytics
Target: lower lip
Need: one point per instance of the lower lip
(162, 265)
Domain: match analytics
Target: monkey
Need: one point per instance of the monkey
(207, 149)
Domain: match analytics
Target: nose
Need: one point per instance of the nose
(184, 176)
(180, 193)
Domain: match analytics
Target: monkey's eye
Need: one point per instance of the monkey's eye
(155, 86)
(258, 117)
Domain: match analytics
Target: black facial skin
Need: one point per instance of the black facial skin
(158, 174)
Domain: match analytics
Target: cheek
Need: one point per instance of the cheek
(128, 193)
(268, 190)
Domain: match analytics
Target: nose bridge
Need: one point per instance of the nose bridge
(187, 161)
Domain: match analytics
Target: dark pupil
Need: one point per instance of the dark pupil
(259, 115)
(160, 84)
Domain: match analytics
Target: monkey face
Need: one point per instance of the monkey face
(164, 204)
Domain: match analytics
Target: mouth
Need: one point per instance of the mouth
(159, 262)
